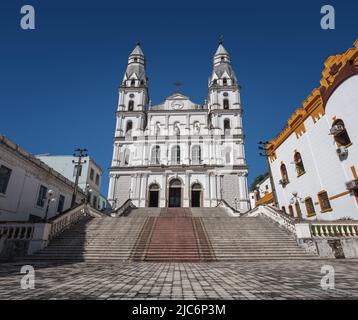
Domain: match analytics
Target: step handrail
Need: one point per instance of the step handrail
(124, 209)
(228, 206)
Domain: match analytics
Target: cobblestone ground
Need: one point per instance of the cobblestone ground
(125, 280)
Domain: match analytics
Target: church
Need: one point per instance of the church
(179, 153)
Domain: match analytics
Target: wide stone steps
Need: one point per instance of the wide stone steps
(176, 235)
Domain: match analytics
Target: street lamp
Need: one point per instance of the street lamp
(296, 200)
(79, 153)
(49, 199)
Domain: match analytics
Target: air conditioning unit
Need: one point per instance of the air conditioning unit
(352, 185)
(342, 151)
(337, 129)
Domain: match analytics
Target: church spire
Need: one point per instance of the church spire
(135, 74)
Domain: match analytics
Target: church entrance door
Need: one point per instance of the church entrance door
(154, 196)
(175, 193)
(196, 195)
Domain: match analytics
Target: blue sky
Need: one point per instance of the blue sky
(58, 83)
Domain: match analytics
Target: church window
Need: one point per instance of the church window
(225, 81)
(196, 127)
(142, 82)
(227, 126)
(284, 175)
(5, 174)
(310, 207)
(130, 105)
(132, 82)
(129, 127)
(324, 201)
(215, 82)
(340, 133)
(300, 168)
(135, 59)
(175, 155)
(226, 103)
(126, 157)
(155, 156)
(290, 210)
(196, 154)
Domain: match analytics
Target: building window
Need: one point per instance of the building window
(290, 211)
(97, 179)
(284, 175)
(196, 154)
(132, 82)
(300, 169)
(310, 207)
(126, 157)
(225, 81)
(324, 202)
(215, 82)
(5, 174)
(340, 133)
(130, 105)
(41, 196)
(175, 155)
(226, 103)
(227, 126)
(155, 156)
(75, 170)
(283, 208)
(129, 127)
(94, 201)
(61, 203)
(92, 174)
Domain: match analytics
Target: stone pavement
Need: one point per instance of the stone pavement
(132, 280)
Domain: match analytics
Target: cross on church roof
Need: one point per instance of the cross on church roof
(177, 85)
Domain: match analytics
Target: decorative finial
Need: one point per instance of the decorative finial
(138, 43)
(221, 39)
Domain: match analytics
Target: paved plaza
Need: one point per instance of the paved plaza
(129, 280)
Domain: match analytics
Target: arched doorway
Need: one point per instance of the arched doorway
(196, 191)
(175, 187)
(153, 196)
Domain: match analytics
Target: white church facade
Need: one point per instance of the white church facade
(179, 153)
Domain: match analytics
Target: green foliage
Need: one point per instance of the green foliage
(258, 179)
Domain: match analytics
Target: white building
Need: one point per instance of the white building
(24, 185)
(179, 153)
(262, 194)
(90, 174)
(314, 160)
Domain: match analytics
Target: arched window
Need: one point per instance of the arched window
(284, 175)
(196, 154)
(324, 202)
(142, 82)
(155, 156)
(283, 208)
(129, 127)
(227, 126)
(132, 82)
(226, 103)
(340, 133)
(300, 168)
(130, 105)
(290, 210)
(175, 157)
(215, 82)
(310, 207)
(225, 81)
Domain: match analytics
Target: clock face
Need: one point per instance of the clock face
(177, 105)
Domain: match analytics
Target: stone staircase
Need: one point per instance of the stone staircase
(174, 235)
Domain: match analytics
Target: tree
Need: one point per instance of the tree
(258, 179)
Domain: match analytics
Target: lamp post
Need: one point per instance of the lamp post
(49, 199)
(296, 200)
(79, 153)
